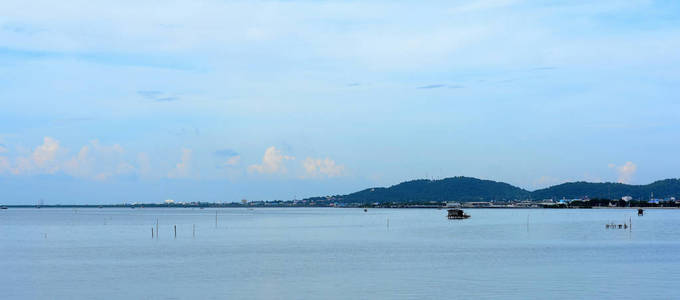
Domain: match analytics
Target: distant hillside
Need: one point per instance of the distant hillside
(571, 190)
(449, 189)
(467, 189)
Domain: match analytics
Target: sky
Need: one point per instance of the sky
(142, 101)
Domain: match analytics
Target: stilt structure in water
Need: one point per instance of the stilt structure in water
(459, 214)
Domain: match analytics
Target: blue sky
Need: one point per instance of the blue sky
(142, 101)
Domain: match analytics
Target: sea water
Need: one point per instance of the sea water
(337, 253)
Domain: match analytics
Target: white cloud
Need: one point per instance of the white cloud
(94, 161)
(46, 152)
(322, 167)
(183, 168)
(42, 160)
(233, 161)
(99, 162)
(625, 172)
(272, 162)
(81, 164)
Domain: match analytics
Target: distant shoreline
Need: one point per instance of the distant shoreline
(346, 207)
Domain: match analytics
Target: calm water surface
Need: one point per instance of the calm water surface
(325, 253)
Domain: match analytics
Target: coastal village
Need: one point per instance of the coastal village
(626, 201)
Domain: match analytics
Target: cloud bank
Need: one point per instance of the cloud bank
(273, 162)
(93, 161)
(316, 167)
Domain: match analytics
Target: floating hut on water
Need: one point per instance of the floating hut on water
(457, 214)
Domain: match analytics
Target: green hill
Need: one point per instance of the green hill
(571, 190)
(467, 189)
(448, 189)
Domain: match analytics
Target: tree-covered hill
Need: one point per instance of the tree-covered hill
(449, 189)
(466, 189)
(609, 190)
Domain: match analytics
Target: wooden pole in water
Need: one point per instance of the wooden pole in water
(193, 230)
(152, 232)
(388, 222)
(175, 231)
(215, 218)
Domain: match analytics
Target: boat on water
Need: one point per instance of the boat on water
(3, 207)
(457, 214)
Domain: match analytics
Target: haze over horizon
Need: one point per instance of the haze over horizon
(217, 101)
